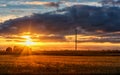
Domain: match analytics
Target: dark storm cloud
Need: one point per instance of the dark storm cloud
(89, 20)
(38, 23)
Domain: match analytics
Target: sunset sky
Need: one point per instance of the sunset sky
(46, 25)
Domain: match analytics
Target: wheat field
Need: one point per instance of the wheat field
(59, 65)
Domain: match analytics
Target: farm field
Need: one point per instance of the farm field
(59, 65)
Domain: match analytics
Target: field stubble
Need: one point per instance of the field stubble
(52, 65)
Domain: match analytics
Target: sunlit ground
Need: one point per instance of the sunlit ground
(53, 65)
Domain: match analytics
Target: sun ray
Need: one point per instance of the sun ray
(28, 41)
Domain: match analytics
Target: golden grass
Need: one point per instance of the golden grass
(55, 65)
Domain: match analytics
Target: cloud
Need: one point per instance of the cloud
(21, 11)
(91, 3)
(51, 4)
(41, 38)
(95, 38)
(37, 3)
(3, 5)
(90, 20)
(52, 39)
(4, 18)
(102, 40)
(83, 3)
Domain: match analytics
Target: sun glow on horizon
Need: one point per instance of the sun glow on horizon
(28, 41)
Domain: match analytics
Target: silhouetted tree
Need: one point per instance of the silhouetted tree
(25, 50)
(9, 49)
(18, 49)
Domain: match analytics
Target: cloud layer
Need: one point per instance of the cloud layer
(90, 20)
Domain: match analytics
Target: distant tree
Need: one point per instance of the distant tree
(25, 50)
(18, 49)
(8, 49)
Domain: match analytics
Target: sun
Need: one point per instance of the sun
(28, 41)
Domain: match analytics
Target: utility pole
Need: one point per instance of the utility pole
(29, 28)
(76, 32)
